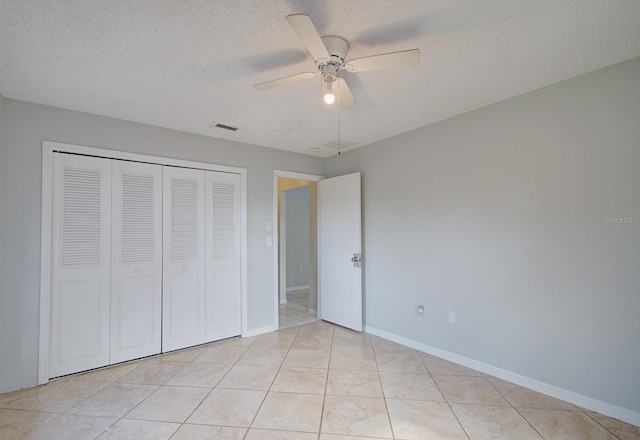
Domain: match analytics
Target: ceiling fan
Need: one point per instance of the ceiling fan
(330, 54)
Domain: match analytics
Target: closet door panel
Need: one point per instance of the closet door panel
(136, 267)
(80, 290)
(223, 255)
(183, 313)
(183, 309)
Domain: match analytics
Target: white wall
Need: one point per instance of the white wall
(297, 236)
(26, 125)
(497, 215)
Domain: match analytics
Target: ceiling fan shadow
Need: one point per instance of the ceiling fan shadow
(400, 31)
(242, 66)
(262, 63)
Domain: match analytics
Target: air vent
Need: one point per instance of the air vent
(225, 127)
(343, 145)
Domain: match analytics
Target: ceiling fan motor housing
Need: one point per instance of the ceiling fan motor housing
(337, 48)
(330, 54)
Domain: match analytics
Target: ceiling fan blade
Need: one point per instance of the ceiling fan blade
(286, 80)
(307, 32)
(384, 61)
(345, 97)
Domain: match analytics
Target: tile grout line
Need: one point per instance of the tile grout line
(384, 396)
(545, 409)
(608, 430)
(326, 384)
(266, 392)
(71, 378)
(270, 385)
(445, 398)
(192, 361)
(515, 409)
(208, 346)
(214, 387)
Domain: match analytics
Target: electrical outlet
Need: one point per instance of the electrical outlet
(268, 241)
(300, 269)
(452, 316)
(420, 310)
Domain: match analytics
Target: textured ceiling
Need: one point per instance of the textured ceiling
(188, 64)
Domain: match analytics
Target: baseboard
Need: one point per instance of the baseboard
(313, 312)
(296, 288)
(578, 399)
(260, 331)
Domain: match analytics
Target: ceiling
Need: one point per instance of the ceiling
(190, 64)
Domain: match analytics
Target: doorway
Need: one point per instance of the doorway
(335, 250)
(295, 247)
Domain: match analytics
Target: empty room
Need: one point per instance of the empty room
(320, 220)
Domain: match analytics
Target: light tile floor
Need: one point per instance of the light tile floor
(312, 382)
(296, 310)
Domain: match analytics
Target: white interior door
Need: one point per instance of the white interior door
(80, 284)
(340, 240)
(223, 277)
(136, 260)
(183, 309)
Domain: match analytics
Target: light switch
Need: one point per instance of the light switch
(269, 226)
(268, 241)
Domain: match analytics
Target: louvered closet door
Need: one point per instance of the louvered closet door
(223, 255)
(80, 288)
(136, 261)
(183, 309)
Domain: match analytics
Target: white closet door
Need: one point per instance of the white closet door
(223, 255)
(183, 312)
(136, 261)
(80, 288)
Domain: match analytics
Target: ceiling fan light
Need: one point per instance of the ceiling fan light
(329, 96)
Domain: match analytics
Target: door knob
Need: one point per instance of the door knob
(356, 259)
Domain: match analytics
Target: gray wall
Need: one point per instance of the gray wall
(297, 207)
(26, 125)
(497, 215)
(4, 311)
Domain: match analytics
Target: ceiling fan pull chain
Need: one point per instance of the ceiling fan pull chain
(339, 106)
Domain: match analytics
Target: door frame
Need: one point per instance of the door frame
(281, 243)
(276, 238)
(48, 149)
